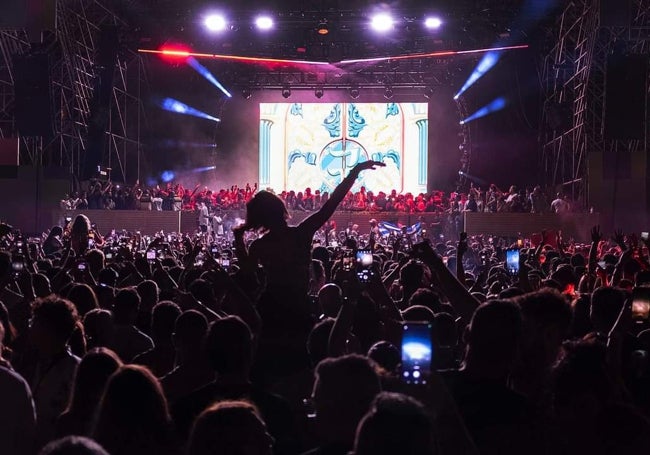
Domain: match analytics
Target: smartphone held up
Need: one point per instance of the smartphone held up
(417, 352)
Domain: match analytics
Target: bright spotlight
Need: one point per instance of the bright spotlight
(432, 22)
(486, 64)
(172, 105)
(264, 23)
(203, 71)
(493, 106)
(215, 22)
(381, 22)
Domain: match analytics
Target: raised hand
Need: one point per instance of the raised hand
(596, 235)
(619, 238)
(365, 165)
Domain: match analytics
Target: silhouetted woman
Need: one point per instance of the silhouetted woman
(133, 418)
(90, 378)
(285, 251)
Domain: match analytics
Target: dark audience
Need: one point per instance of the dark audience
(207, 347)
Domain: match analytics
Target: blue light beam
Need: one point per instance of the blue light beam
(494, 106)
(203, 71)
(172, 105)
(486, 64)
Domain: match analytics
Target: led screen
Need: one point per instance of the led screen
(314, 145)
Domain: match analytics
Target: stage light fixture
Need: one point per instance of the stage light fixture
(381, 22)
(215, 22)
(354, 93)
(318, 93)
(323, 29)
(488, 61)
(286, 92)
(432, 22)
(494, 106)
(388, 93)
(264, 22)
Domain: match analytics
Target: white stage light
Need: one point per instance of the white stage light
(215, 22)
(432, 22)
(381, 22)
(264, 23)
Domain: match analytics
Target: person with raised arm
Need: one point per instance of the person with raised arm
(285, 251)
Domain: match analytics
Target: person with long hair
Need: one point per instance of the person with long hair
(133, 417)
(285, 251)
(90, 378)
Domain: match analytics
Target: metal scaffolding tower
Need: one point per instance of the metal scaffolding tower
(74, 71)
(574, 77)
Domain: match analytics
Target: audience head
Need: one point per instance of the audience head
(42, 287)
(83, 297)
(190, 329)
(73, 445)
(90, 378)
(125, 308)
(330, 298)
(606, 305)
(132, 412)
(148, 292)
(98, 326)
(411, 275)
(163, 319)
(230, 428)
(493, 337)
(229, 346)
(546, 317)
(266, 211)
(386, 355)
(344, 387)
(394, 424)
(53, 321)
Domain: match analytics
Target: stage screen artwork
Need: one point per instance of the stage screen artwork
(314, 145)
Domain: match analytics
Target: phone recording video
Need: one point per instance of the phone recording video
(151, 255)
(81, 266)
(348, 260)
(364, 265)
(417, 352)
(641, 303)
(225, 262)
(512, 261)
(644, 236)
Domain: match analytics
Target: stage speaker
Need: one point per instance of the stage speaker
(33, 107)
(615, 13)
(625, 96)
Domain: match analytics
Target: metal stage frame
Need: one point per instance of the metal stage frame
(573, 78)
(73, 52)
